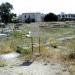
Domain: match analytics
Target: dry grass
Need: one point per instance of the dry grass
(51, 53)
(2, 63)
(11, 44)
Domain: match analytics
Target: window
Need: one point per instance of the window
(63, 16)
(73, 15)
(69, 15)
(25, 16)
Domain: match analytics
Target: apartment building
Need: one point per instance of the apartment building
(64, 16)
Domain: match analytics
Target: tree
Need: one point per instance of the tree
(5, 10)
(12, 17)
(50, 17)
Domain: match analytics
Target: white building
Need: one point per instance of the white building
(37, 17)
(64, 16)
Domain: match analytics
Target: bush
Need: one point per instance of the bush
(53, 42)
(50, 17)
(23, 50)
(17, 34)
(66, 26)
(71, 56)
(29, 20)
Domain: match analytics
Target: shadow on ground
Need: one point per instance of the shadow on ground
(27, 63)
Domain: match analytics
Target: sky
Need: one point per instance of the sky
(43, 6)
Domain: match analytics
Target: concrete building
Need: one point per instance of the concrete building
(37, 17)
(64, 16)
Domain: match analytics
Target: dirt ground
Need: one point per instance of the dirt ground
(16, 66)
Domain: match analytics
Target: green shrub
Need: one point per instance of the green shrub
(53, 42)
(66, 26)
(23, 50)
(17, 34)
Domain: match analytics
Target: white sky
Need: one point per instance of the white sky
(43, 6)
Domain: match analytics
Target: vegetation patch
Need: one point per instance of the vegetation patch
(2, 63)
(53, 42)
(23, 49)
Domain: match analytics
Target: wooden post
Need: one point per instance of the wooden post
(39, 44)
(32, 44)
